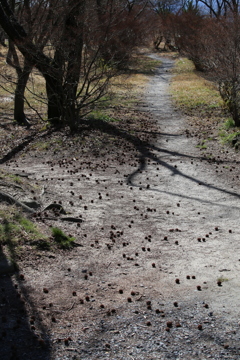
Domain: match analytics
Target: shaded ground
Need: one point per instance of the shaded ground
(154, 274)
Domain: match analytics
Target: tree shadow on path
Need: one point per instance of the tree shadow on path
(22, 335)
(147, 151)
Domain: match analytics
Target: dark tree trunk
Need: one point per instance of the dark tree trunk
(229, 92)
(74, 30)
(157, 42)
(55, 99)
(235, 108)
(23, 77)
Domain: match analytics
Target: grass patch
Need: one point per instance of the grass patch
(222, 279)
(183, 66)
(192, 92)
(230, 134)
(40, 146)
(17, 231)
(202, 146)
(11, 177)
(229, 139)
(144, 65)
(199, 98)
(63, 241)
(229, 124)
(98, 115)
(27, 225)
(16, 179)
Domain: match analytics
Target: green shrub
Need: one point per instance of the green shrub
(63, 241)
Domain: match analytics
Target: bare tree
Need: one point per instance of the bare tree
(221, 8)
(32, 15)
(222, 59)
(212, 42)
(68, 49)
(124, 23)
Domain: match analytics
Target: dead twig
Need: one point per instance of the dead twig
(72, 306)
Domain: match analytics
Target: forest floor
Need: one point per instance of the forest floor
(154, 270)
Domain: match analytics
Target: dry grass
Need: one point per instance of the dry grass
(129, 87)
(192, 92)
(200, 100)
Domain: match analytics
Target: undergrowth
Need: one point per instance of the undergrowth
(199, 98)
(16, 231)
(192, 92)
(63, 241)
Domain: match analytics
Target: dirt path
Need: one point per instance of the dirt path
(202, 201)
(156, 269)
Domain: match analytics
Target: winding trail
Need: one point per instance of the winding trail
(157, 238)
(201, 200)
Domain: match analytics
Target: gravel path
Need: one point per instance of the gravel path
(156, 272)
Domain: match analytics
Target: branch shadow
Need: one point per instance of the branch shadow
(146, 152)
(24, 143)
(22, 336)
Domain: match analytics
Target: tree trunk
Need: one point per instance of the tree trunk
(23, 77)
(157, 42)
(74, 30)
(230, 95)
(234, 107)
(55, 99)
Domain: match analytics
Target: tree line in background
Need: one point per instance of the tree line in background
(78, 46)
